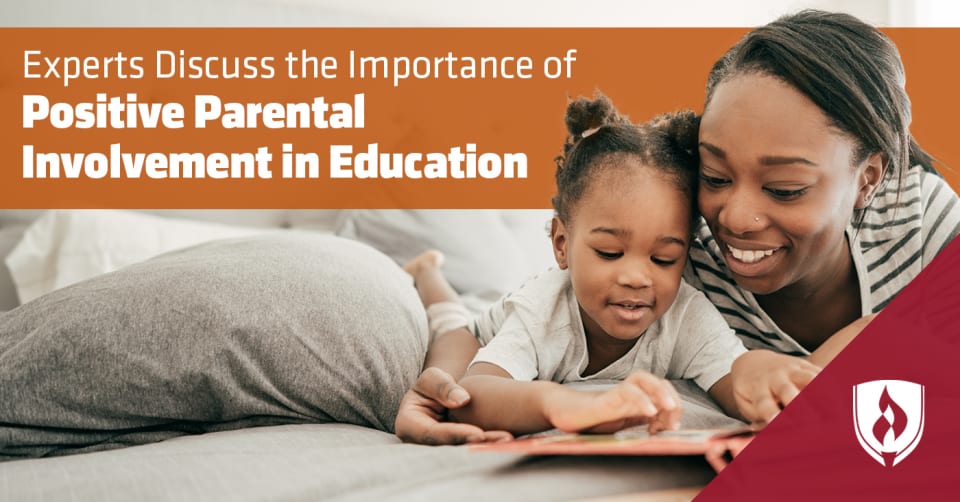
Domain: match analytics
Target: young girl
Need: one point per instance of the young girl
(616, 309)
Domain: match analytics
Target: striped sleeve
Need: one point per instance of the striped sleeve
(941, 219)
(903, 230)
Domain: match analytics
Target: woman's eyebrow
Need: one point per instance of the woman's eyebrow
(716, 150)
(779, 160)
(766, 160)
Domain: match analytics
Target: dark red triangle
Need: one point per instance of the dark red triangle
(811, 452)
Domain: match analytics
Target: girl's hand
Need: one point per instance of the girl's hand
(424, 407)
(640, 398)
(764, 382)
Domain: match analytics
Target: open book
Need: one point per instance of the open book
(719, 446)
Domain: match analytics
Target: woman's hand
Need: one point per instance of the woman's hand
(640, 398)
(764, 382)
(424, 407)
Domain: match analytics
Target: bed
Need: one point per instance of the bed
(205, 355)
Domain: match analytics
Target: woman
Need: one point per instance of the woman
(815, 199)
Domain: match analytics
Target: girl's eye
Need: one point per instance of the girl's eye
(785, 194)
(662, 262)
(608, 256)
(713, 181)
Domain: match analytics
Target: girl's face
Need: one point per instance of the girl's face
(625, 246)
(778, 185)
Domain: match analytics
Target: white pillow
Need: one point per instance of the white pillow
(64, 247)
(488, 252)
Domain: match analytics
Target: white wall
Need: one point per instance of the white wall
(458, 13)
(939, 13)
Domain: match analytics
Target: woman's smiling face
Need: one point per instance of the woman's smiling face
(778, 185)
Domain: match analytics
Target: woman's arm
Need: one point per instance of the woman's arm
(722, 393)
(833, 345)
(763, 382)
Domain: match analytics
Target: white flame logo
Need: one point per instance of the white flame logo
(888, 417)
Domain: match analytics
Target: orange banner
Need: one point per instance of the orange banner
(350, 118)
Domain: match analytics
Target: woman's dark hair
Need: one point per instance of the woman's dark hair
(851, 70)
(601, 138)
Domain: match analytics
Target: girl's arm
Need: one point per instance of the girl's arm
(420, 418)
(452, 352)
(499, 402)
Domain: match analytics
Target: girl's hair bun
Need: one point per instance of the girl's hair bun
(600, 137)
(680, 129)
(585, 114)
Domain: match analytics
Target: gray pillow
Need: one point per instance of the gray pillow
(262, 330)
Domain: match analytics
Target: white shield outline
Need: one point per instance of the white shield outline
(909, 396)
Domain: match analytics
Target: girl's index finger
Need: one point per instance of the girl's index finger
(661, 392)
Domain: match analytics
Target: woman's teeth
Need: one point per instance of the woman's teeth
(749, 256)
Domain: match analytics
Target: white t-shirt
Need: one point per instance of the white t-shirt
(540, 336)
